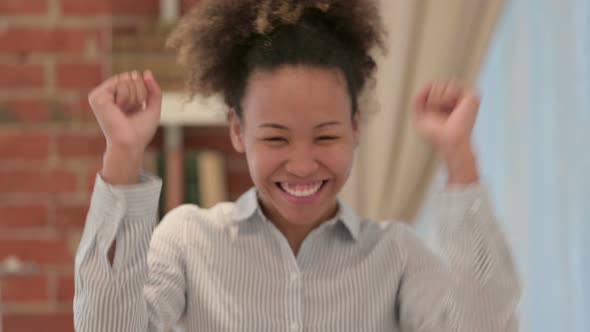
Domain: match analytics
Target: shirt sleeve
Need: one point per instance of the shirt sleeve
(471, 284)
(143, 289)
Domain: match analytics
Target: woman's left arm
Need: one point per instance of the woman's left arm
(472, 285)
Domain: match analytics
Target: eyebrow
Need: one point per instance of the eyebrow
(281, 127)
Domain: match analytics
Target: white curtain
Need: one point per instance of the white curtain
(428, 39)
(534, 140)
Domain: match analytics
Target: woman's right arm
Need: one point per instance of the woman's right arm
(126, 278)
(143, 287)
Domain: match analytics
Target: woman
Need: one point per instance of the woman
(287, 255)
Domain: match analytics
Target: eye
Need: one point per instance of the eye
(275, 139)
(327, 138)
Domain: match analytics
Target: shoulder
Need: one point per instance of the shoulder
(191, 219)
(390, 236)
(387, 230)
(191, 214)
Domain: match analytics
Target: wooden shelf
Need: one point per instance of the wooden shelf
(178, 111)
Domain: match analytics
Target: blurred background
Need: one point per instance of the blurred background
(530, 59)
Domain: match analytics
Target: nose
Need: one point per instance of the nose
(302, 162)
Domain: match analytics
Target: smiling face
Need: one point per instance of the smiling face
(298, 134)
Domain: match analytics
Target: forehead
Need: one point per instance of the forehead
(296, 95)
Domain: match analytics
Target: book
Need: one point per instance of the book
(195, 176)
(212, 170)
(161, 173)
(191, 178)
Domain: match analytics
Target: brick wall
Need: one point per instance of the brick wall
(52, 52)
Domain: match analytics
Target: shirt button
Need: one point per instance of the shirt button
(294, 327)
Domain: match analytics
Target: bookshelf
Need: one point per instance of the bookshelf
(177, 113)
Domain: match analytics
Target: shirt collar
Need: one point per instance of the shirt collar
(247, 206)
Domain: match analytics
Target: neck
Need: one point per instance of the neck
(294, 233)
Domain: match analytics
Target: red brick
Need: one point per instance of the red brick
(35, 111)
(71, 216)
(45, 40)
(34, 322)
(23, 7)
(136, 7)
(38, 251)
(51, 182)
(25, 289)
(24, 146)
(109, 7)
(92, 173)
(86, 7)
(21, 76)
(65, 289)
(79, 110)
(105, 36)
(29, 110)
(78, 75)
(24, 215)
(75, 145)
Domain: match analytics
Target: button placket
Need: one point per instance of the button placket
(295, 299)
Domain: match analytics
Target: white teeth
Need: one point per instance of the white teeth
(301, 190)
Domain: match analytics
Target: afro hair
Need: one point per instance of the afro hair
(220, 42)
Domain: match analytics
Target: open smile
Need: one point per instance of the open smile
(299, 192)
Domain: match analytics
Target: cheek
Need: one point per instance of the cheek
(338, 159)
(262, 162)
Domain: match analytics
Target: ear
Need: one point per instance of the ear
(356, 127)
(236, 132)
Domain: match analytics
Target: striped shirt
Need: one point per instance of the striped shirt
(229, 269)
